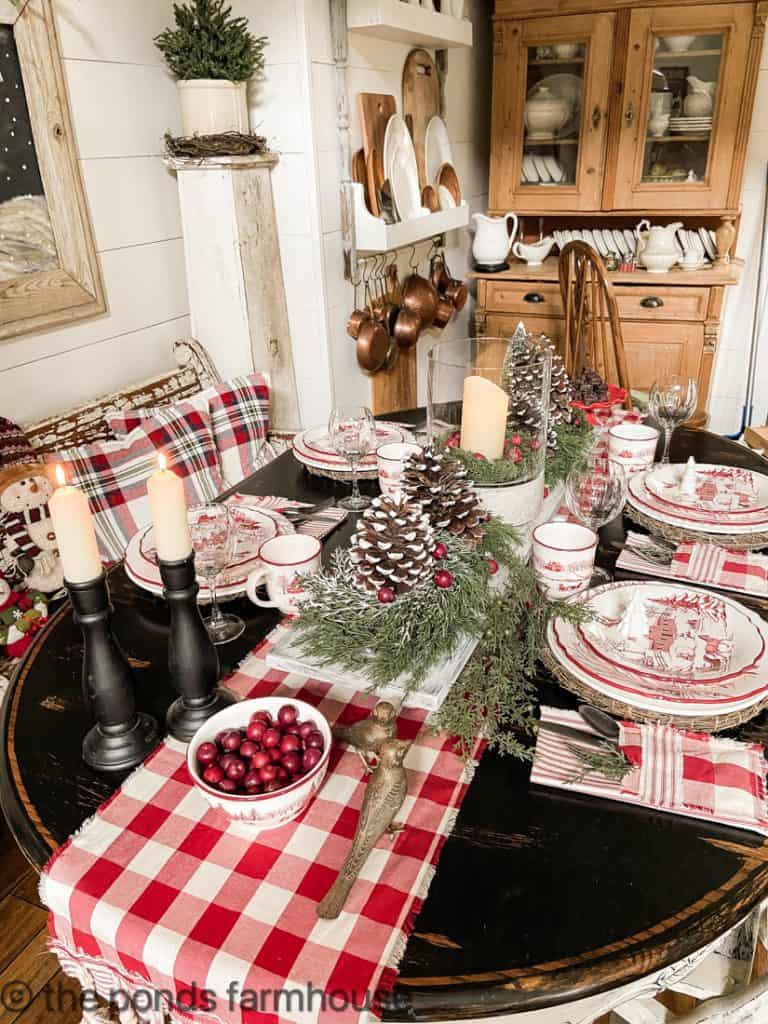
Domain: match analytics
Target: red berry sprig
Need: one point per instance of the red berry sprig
(443, 579)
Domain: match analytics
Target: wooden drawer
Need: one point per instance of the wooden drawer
(505, 326)
(657, 350)
(525, 298)
(664, 302)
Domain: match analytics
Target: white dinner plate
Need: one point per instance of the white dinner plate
(541, 167)
(630, 240)
(682, 698)
(725, 491)
(556, 171)
(437, 148)
(529, 170)
(395, 134)
(650, 505)
(314, 445)
(709, 245)
(404, 181)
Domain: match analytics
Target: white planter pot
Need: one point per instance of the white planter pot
(515, 504)
(210, 106)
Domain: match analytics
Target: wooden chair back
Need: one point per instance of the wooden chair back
(593, 335)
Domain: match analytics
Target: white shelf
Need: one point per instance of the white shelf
(372, 234)
(403, 22)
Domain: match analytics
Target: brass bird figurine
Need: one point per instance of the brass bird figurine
(367, 736)
(384, 796)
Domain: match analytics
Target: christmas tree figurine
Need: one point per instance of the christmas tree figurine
(392, 546)
(521, 379)
(439, 484)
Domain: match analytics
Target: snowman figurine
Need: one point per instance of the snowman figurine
(28, 546)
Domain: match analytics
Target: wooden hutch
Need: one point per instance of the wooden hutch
(611, 60)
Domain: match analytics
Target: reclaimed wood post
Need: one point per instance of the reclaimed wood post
(235, 278)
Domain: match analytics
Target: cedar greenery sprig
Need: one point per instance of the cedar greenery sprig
(496, 694)
(610, 762)
(340, 624)
(208, 42)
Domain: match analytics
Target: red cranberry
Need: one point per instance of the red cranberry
(231, 740)
(443, 579)
(237, 770)
(249, 748)
(493, 567)
(226, 760)
(272, 785)
(386, 595)
(292, 762)
(213, 775)
(287, 714)
(282, 774)
(268, 772)
(290, 742)
(255, 731)
(262, 716)
(271, 738)
(252, 782)
(292, 730)
(228, 786)
(440, 552)
(260, 760)
(315, 739)
(305, 728)
(311, 757)
(275, 755)
(207, 753)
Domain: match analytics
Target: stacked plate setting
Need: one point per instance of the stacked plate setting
(313, 448)
(690, 125)
(254, 527)
(727, 500)
(594, 653)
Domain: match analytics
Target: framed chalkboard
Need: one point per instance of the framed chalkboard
(49, 272)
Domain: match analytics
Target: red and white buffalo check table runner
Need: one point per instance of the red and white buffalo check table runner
(156, 894)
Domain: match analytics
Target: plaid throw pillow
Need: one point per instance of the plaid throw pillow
(114, 474)
(239, 411)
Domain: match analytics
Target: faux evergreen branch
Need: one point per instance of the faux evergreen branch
(208, 42)
(612, 763)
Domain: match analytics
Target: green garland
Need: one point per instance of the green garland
(573, 442)
(495, 695)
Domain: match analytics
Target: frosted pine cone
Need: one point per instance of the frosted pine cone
(439, 484)
(392, 547)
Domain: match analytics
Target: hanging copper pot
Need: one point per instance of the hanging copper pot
(438, 273)
(443, 314)
(420, 297)
(456, 293)
(386, 313)
(372, 346)
(407, 328)
(356, 320)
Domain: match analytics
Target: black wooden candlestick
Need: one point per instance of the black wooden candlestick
(192, 659)
(122, 737)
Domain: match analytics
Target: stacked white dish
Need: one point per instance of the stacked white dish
(639, 665)
(690, 125)
(541, 170)
(602, 240)
(713, 507)
(314, 449)
(400, 168)
(254, 526)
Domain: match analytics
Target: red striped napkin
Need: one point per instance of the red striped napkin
(693, 774)
(745, 572)
(318, 526)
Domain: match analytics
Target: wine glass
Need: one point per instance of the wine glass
(595, 492)
(213, 538)
(352, 431)
(672, 401)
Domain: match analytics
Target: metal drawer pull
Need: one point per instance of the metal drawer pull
(652, 302)
(629, 115)
(597, 116)
(533, 297)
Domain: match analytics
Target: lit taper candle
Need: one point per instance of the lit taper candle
(75, 536)
(169, 513)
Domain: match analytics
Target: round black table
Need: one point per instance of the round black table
(540, 897)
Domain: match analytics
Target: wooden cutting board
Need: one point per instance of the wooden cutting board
(421, 102)
(375, 111)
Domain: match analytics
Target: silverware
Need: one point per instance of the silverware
(600, 721)
(583, 739)
(658, 554)
(308, 512)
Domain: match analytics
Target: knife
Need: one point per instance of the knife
(583, 739)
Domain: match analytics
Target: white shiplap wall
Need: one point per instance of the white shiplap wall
(730, 374)
(377, 66)
(122, 101)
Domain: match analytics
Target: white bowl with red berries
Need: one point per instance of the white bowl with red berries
(261, 761)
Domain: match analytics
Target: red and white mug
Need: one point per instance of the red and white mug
(563, 558)
(391, 459)
(284, 559)
(633, 446)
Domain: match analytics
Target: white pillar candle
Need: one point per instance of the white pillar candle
(75, 536)
(484, 417)
(169, 514)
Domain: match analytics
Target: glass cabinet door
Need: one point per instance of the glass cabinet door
(682, 93)
(550, 113)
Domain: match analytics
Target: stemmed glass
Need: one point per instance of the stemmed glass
(352, 431)
(213, 538)
(672, 401)
(595, 492)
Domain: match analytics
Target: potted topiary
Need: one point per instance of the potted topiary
(212, 55)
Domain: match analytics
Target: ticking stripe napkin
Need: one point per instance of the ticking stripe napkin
(318, 526)
(688, 773)
(158, 896)
(712, 566)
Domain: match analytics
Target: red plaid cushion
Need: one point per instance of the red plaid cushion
(114, 473)
(239, 411)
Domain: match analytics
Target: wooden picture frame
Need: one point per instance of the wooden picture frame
(72, 291)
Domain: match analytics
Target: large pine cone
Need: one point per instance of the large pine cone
(439, 484)
(521, 378)
(392, 546)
